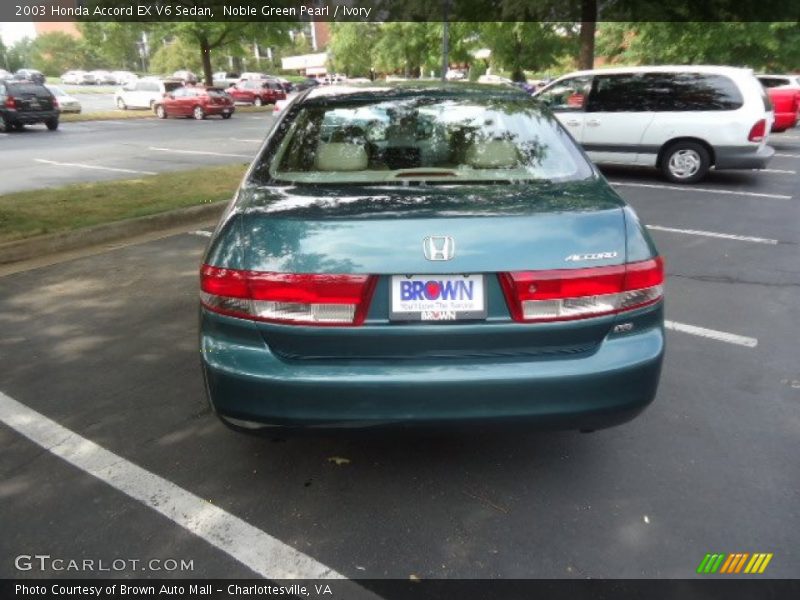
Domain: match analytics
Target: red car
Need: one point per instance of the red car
(257, 91)
(197, 102)
(784, 94)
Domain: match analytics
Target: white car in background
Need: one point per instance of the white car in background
(78, 77)
(102, 77)
(123, 77)
(144, 92)
(683, 120)
(66, 103)
(493, 79)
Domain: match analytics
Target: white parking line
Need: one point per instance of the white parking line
(786, 171)
(787, 155)
(714, 234)
(696, 189)
(201, 233)
(721, 336)
(247, 140)
(201, 152)
(93, 167)
(257, 550)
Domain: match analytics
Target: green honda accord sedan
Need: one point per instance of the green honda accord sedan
(428, 255)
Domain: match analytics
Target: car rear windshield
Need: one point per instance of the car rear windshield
(28, 89)
(443, 140)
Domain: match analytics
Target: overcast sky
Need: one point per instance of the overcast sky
(13, 32)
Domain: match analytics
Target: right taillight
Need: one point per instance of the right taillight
(290, 298)
(758, 131)
(568, 294)
(11, 102)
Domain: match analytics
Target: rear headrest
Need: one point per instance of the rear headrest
(495, 154)
(339, 156)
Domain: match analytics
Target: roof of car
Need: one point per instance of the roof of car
(665, 69)
(382, 89)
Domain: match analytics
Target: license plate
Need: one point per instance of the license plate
(437, 297)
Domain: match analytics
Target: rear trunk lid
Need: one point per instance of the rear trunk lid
(381, 232)
(29, 97)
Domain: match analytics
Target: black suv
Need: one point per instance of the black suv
(24, 103)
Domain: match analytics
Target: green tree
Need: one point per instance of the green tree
(115, 44)
(19, 55)
(174, 56)
(56, 52)
(348, 51)
(520, 46)
(760, 45)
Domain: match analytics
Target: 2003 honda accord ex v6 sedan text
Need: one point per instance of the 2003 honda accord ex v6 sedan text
(428, 255)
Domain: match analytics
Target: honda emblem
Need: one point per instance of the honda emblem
(439, 247)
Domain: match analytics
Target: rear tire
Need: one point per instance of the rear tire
(228, 116)
(161, 112)
(198, 113)
(685, 162)
(52, 124)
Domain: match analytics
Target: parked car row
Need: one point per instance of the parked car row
(98, 77)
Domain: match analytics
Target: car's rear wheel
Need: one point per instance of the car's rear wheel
(685, 162)
(227, 115)
(198, 113)
(121, 104)
(18, 126)
(258, 101)
(52, 124)
(161, 112)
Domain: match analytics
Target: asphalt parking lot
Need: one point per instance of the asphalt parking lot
(122, 149)
(99, 355)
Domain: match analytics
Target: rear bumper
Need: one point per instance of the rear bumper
(29, 118)
(784, 121)
(250, 387)
(213, 109)
(742, 157)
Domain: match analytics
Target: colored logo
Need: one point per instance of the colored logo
(436, 290)
(736, 562)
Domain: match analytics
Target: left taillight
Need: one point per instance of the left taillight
(569, 294)
(291, 298)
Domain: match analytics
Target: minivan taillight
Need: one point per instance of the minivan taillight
(11, 102)
(292, 298)
(758, 131)
(568, 294)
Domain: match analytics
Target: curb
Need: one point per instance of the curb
(37, 247)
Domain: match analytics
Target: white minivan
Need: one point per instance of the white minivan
(143, 93)
(683, 120)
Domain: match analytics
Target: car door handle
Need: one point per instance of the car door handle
(573, 122)
(593, 122)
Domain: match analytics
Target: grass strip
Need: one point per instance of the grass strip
(39, 212)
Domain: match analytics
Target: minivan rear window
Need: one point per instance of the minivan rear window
(663, 92)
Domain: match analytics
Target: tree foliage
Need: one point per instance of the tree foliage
(760, 45)
(115, 44)
(55, 52)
